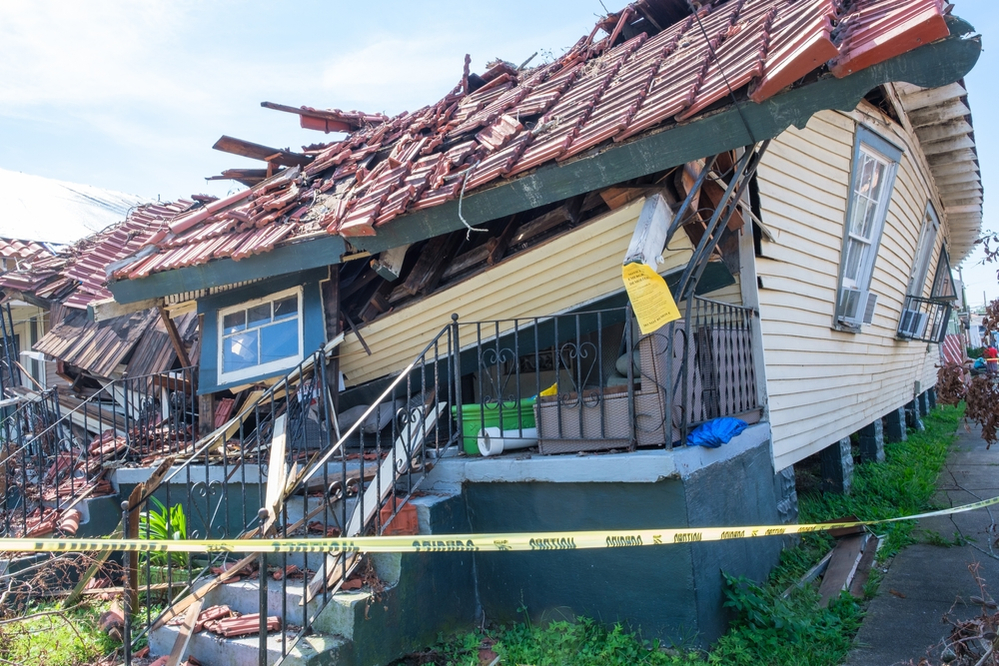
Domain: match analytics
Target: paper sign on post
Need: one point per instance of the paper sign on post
(650, 297)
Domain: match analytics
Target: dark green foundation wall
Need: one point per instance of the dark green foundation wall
(672, 592)
(435, 597)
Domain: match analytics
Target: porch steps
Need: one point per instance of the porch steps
(328, 646)
(419, 596)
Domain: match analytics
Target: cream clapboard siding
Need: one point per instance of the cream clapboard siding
(824, 384)
(556, 276)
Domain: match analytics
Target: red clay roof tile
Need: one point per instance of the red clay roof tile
(598, 91)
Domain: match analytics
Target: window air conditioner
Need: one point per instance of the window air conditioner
(913, 324)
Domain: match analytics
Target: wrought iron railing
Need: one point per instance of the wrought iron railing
(924, 319)
(287, 465)
(56, 450)
(588, 381)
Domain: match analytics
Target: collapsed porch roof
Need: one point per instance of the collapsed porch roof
(299, 224)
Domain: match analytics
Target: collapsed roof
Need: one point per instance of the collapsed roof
(71, 279)
(504, 125)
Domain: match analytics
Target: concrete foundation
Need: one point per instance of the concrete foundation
(872, 442)
(922, 401)
(787, 495)
(913, 418)
(931, 398)
(837, 467)
(894, 425)
(673, 592)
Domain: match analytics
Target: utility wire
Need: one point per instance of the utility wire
(694, 7)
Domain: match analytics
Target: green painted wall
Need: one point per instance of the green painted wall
(672, 592)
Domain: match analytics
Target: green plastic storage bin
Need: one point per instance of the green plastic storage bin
(474, 417)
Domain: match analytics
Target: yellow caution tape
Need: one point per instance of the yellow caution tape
(440, 543)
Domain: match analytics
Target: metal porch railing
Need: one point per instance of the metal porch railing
(286, 466)
(56, 451)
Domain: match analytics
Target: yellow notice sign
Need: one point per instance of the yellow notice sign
(650, 297)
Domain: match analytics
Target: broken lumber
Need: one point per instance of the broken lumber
(843, 565)
(185, 633)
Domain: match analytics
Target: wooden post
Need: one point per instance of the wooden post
(175, 340)
(206, 415)
(132, 558)
(331, 311)
(206, 403)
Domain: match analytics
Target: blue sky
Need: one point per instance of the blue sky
(130, 96)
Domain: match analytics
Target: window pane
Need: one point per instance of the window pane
(279, 341)
(239, 351)
(854, 254)
(877, 180)
(234, 321)
(866, 175)
(870, 220)
(286, 307)
(258, 315)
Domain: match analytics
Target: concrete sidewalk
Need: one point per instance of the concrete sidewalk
(904, 622)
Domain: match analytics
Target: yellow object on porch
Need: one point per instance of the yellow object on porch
(650, 297)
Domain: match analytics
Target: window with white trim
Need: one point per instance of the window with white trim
(872, 180)
(260, 336)
(924, 252)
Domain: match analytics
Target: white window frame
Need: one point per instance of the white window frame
(924, 252)
(263, 368)
(854, 300)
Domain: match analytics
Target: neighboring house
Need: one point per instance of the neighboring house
(22, 323)
(42, 215)
(805, 171)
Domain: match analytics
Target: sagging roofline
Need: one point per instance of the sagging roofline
(932, 65)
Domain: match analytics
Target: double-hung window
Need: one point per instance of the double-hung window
(875, 162)
(924, 252)
(260, 336)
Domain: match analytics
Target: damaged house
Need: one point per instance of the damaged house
(406, 329)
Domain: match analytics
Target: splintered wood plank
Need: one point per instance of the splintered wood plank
(185, 633)
(95, 566)
(406, 447)
(841, 568)
(276, 473)
(864, 567)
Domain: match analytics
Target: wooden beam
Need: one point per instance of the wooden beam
(502, 242)
(186, 631)
(109, 308)
(430, 266)
(255, 151)
(389, 263)
(175, 340)
(474, 257)
(542, 223)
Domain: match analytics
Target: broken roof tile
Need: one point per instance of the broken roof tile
(877, 30)
(603, 89)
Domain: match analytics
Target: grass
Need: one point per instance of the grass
(70, 638)
(768, 630)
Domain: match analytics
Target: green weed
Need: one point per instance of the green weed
(70, 638)
(163, 524)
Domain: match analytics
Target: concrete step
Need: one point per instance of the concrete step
(284, 600)
(213, 650)
(421, 595)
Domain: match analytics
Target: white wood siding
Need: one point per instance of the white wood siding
(824, 384)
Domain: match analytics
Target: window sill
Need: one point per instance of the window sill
(846, 328)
